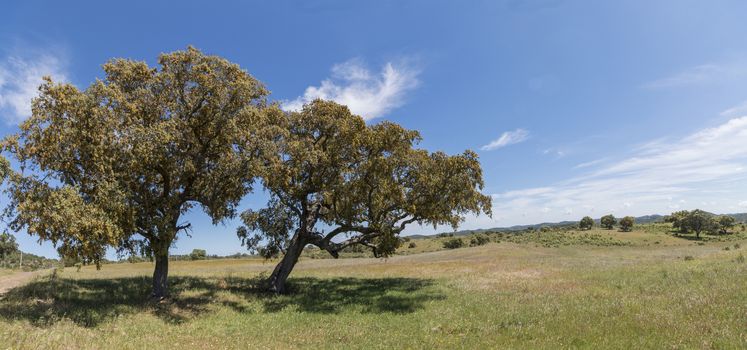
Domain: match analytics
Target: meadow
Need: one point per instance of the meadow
(569, 289)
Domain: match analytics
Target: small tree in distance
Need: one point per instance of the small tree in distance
(198, 254)
(725, 223)
(678, 220)
(586, 223)
(8, 244)
(608, 221)
(699, 221)
(626, 223)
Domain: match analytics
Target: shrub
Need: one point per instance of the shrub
(453, 243)
(626, 223)
(725, 223)
(8, 244)
(608, 221)
(412, 245)
(689, 257)
(586, 223)
(198, 254)
(478, 240)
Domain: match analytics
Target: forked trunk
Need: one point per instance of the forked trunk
(277, 281)
(160, 276)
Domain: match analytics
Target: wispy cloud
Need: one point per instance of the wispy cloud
(589, 163)
(20, 76)
(707, 168)
(370, 95)
(700, 74)
(507, 138)
(736, 111)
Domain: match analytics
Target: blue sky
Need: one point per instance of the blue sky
(575, 107)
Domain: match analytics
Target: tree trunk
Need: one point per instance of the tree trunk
(160, 276)
(276, 282)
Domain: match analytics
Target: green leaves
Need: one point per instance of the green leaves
(123, 159)
(608, 221)
(626, 223)
(586, 223)
(366, 182)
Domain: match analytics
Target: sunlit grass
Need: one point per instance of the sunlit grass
(500, 295)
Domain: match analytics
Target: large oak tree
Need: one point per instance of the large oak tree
(117, 164)
(338, 182)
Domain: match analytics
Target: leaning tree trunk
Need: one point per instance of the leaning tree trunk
(160, 276)
(276, 282)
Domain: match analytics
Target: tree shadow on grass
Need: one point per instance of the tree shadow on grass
(89, 302)
(688, 237)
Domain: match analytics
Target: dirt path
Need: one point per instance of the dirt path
(17, 279)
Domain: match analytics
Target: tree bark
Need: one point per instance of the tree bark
(277, 281)
(160, 276)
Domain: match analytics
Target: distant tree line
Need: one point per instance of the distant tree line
(699, 221)
(12, 258)
(608, 222)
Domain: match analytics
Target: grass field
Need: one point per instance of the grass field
(653, 291)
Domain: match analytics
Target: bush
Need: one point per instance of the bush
(608, 221)
(586, 223)
(412, 245)
(689, 258)
(8, 244)
(626, 223)
(478, 240)
(198, 254)
(453, 243)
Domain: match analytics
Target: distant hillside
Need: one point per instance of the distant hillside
(30, 261)
(646, 219)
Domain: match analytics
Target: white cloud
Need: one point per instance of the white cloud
(701, 74)
(367, 94)
(507, 138)
(589, 163)
(736, 111)
(20, 77)
(558, 153)
(705, 169)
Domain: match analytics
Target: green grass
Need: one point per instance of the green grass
(640, 294)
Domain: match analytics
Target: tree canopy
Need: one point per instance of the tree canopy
(626, 223)
(700, 221)
(608, 221)
(117, 164)
(8, 244)
(586, 223)
(338, 182)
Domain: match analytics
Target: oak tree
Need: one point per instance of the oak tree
(338, 182)
(119, 163)
(626, 223)
(699, 221)
(608, 221)
(586, 223)
(8, 244)
(725, 223)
